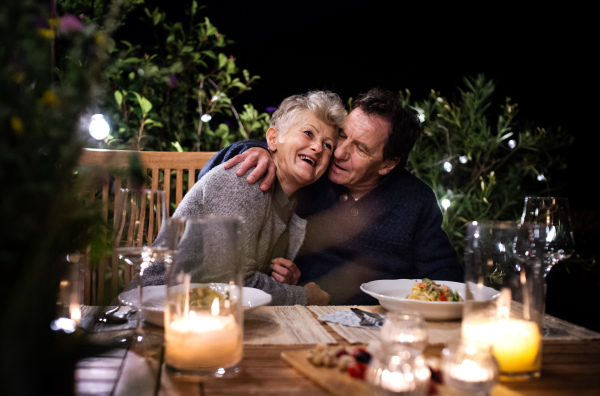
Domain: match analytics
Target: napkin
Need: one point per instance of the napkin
(346, 318)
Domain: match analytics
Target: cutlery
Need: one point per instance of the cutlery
(368, 318)
(110, 316)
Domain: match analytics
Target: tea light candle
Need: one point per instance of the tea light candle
(515, 342)
(203, 341)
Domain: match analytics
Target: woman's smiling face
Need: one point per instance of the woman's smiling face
(303, 152)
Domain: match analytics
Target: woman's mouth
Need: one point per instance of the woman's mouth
(306, 158)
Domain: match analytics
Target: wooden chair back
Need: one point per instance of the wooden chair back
(174, 172)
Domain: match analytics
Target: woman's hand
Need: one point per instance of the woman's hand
(260, 158)
(316, 296)
(285, 271)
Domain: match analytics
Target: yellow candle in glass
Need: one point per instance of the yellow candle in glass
(203, 342)
(516, 343)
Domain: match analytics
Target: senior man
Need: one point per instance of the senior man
(369, 218)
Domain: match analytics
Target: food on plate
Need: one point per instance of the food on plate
(201, 296)
(428, 290)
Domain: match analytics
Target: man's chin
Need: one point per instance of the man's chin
(336, 177)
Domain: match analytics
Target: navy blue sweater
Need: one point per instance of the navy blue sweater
(393, 232)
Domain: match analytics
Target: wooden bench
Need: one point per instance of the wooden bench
(105, 171)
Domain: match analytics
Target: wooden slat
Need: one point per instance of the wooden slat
(95, 290)
(179, 187)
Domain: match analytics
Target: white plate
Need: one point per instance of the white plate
(154, 301)
(392, 293)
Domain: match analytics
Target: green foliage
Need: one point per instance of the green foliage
(495, 161)
(43, 219)
(162, 82)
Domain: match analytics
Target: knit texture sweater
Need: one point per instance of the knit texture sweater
(221, 192)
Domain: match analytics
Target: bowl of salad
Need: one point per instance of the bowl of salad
(435, 299)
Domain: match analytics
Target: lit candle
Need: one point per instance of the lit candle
(203, 341)
(516, 343)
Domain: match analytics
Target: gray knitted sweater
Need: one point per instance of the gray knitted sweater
(221, 192)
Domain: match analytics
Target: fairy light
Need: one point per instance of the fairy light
(463, 159)
(512, 143)
(541, 177)
(445, 203)
(206, 117)
(99, 128)
(447, 166)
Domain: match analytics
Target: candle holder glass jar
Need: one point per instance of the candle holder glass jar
(469, 369)
(398, 372)
(506, 257)
(203, 312)
(404, 330)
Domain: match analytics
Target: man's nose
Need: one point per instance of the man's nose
(341, 151)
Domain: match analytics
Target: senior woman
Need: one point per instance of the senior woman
(301, 138)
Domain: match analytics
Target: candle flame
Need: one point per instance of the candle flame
(503, 311)
(214, 309)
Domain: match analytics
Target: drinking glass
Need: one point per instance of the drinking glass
(140, 215)
(554, 212)
(204, 320)
(504, 298)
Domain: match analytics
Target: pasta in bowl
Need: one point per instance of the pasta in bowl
(393, 295)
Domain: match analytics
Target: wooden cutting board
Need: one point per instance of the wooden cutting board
(336, 381)
(339, 383)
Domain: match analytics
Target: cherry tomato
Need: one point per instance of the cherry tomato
(443, 297)
(357, 370)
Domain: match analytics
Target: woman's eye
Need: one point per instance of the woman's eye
(327, 146)
(308, 133)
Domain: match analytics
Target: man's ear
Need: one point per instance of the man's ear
(388, 165)
(272, 138)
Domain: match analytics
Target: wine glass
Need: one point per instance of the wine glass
(554, 212)
(140, 215)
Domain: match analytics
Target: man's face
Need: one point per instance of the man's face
(358, 158)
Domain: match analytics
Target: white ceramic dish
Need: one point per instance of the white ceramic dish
(392, 293)
(154, 301)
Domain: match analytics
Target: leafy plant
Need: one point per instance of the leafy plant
(43, 219)
(479, 159)
(173, 87)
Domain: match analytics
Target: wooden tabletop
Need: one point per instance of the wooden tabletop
(568, 368)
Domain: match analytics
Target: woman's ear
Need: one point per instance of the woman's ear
(272, 137)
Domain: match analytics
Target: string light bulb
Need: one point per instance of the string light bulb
(447, 166)
(206, 117)
(445, 203)
(99, 128)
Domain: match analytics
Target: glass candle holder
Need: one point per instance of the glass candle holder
(507, 258)
(469, 368)
(398, 372)
(203, 315)
(404, 330)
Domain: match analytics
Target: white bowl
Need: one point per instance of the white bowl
(392, 293)
(154, 301)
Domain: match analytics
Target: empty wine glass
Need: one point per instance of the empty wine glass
(554, 212)
(139, 217)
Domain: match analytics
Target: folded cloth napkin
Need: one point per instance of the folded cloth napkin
(346, 318)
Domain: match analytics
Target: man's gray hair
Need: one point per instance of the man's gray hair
(326, 106)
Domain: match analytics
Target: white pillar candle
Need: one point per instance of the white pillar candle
(203, 341)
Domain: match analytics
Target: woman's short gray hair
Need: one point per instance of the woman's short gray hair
(326, 106)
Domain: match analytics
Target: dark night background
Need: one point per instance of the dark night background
(542, 58)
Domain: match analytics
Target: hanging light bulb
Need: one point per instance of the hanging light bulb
(541, 177)
(512, 143)
(99, 128)
(447, 166)
(215, 98)
(463, 159)
(206, 117)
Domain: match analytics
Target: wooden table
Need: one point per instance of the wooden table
(568, 368)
